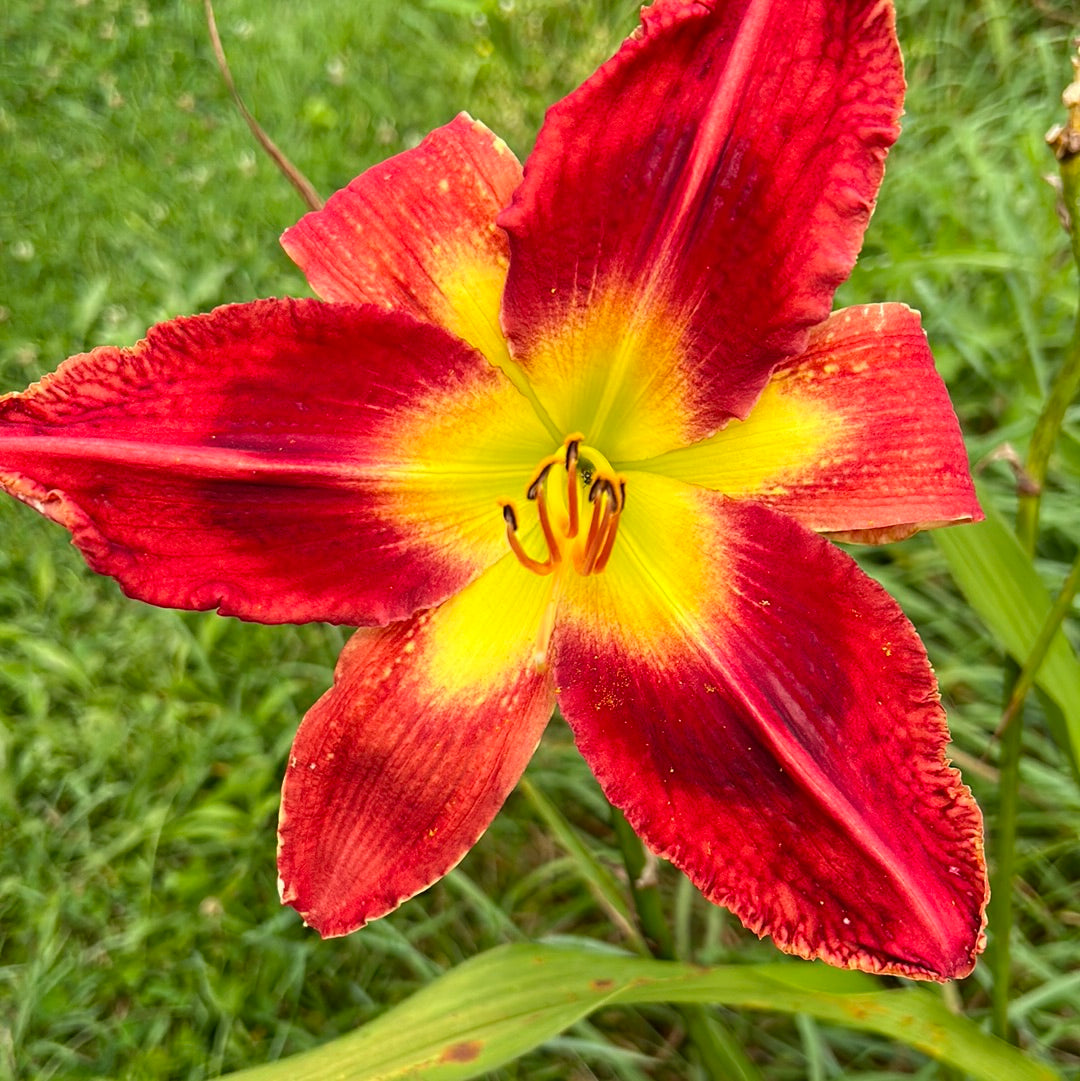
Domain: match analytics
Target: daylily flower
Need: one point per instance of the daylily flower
(578, 436)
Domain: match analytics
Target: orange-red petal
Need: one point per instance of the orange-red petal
(398, 770)
(282, 461)
(768, 720)
(417, 233)
(856, 436)
(707, 188)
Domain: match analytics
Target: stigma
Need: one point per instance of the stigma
(579, 501)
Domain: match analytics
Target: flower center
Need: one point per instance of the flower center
(572, 485)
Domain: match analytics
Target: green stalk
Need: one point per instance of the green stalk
(1001, 885)
(720, 1053)
(1030, 672)
(1062, 393)
(1065, 142)
(646, 896)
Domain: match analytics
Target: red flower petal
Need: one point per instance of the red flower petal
(417, 234)
(710, 185)
(768, 720)
(855, 436)
(397, 771)
(282, 461)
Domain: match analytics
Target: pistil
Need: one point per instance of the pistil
(571, 489)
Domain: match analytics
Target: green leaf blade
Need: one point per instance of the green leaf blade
(999, 581)
(510, 1000)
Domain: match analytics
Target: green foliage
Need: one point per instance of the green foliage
(493, 1008)
(998, 580)
(141, 751)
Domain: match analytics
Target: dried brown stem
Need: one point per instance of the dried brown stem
(291, 173)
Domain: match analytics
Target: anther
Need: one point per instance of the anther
(541, 473)
(538, 481)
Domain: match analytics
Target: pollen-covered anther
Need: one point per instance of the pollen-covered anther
(590, 479)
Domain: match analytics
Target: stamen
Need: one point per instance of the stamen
(510, 517)
(609, 540)
(602, 497)
(560, 515)
(539, 494)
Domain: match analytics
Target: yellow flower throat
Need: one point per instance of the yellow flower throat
(592, 489)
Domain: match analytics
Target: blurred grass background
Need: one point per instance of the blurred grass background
(141, 750)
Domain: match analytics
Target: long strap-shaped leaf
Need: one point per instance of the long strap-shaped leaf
(1001, 584)
(507, 1001)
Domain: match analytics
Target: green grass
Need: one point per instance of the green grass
(141, 750)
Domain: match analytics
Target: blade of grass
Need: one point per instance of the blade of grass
(600, 881)
(720, 1053)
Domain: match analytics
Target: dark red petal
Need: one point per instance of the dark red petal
(715, 179)
(768, 720)
(282, 461)
(856, 436)
(397, 771)
(417, 234)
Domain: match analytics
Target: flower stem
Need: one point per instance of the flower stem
(1065, 143)
(1001, 901)
(1033, 662)
(1063, 392)
(646, 896)
(720, 1053)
